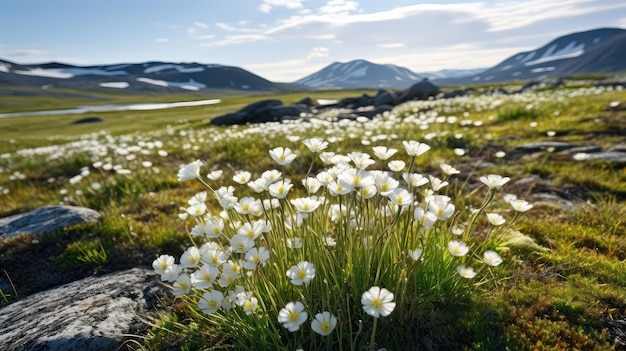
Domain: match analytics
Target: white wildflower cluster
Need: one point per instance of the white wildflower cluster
(348, 206)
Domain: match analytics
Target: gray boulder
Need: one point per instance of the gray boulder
(96, 313)
(91, 119)
(419, 91)
(46, 220)
(244, 115)
(384, 97)
(555, 146)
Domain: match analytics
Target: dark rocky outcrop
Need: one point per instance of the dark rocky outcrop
(90, 119)
(385, 97)
(419, 91)
(96, 313)
(46, 220)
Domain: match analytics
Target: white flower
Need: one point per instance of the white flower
(426, 218)
(294, 243)
(414, 148)
(199, 198)
(415, 254)
(466, 272)
(215, 175)
(400, 197)
(386, 184)
(315, 144)
(520, 205)
(190, 258)
(256, 257)
(415, 179)
(182, 285)
(495, 219)
(242, 177)
(306, 204)
(491, 258)
(361, 160)
(196, 210)
(241, 243)
(494, 181)
(210, 301)
(353, 178)
(437, 184)
(383, 153)
(280, 189)
(439, 205)
(204, 277)
(292, 316)
(302, 273)
(378, 302)
(457, 248)
(449, 170)
(250, 305)
(324, 323)
(396, 165)
(311, 184)
(162, 263)
(190, 171)
(282, 156)
(271, 176)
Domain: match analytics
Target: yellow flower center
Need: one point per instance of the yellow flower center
(377, 303)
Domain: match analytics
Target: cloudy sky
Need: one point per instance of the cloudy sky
(284, 40)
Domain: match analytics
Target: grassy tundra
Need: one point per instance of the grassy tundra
(359, 262)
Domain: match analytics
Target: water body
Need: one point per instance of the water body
(108, 108)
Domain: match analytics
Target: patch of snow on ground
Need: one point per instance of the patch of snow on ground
(117, 85)
(571, 50)
(160, 83)
(4, 67)
(542, 69)
(48, 73)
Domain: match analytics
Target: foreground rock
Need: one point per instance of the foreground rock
(96, 313)
(46, 220)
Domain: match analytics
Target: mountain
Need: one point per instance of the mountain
(451, 73)
(595, 51)
(148, 76)
(359, 74)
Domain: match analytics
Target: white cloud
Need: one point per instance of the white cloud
(318, 52)
(25, 52)
(161, 40)
(201, 25)
(392, 45)
(225, 26)
(338, 7)
(268, 5)
(236, 39)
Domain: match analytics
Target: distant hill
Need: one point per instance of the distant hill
(365, 74)
(148, 76)
(595, 51)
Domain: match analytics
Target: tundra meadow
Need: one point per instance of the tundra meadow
(421, 228)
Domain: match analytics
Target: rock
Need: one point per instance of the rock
(583, 149)
(615, 157)
(243, 116)
(91, 119)
(275, 113)
(96, 313)
(306, 101)
(384, 97)
(46, 220)
(419, 91)
(554, 146)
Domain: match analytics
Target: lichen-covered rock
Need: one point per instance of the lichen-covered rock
(46, 220)
(96, 313)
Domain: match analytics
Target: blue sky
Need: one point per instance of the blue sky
(284, 40)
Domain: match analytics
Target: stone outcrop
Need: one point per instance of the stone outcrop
(96, 313)
(46, 220)
(352, 107)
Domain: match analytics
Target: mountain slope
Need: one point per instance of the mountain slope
(359, 74)
(148, 76)
(595, 51)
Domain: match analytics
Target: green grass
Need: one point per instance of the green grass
(562, 298)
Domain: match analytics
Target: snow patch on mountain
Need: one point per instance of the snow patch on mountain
(179, 68)
(570, 51)
(190, 85)
(48, 73)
